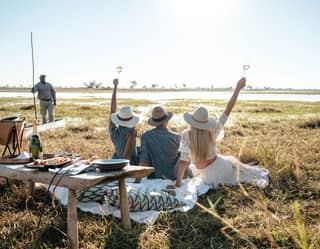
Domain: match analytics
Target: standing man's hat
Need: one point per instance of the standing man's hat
(125, 117)
(200, 119)
(42, 76)
(159, 116)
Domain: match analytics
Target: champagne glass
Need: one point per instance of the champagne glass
(245, 68)
(119, 70)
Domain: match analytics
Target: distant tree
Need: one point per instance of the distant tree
(133, 84)
(211, 87)
(249, 87)
(184, 85)
(92, 84)
(175, 85)
(154, 85)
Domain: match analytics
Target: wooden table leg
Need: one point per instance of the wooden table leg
(73, 239)
(124, 208)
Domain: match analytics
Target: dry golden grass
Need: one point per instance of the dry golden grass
(284, 215)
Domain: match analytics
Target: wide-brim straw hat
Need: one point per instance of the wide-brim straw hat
(125, 117)
(159, 116)
(200, 119)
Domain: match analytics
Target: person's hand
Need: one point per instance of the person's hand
(171, 186)
(169, 191)
(241, 83)
(115, 82)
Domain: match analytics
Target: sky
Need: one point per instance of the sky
(199, 43)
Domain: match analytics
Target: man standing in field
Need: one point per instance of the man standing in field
(47, 97)
(159, 146)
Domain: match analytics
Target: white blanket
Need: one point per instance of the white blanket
(188, 194)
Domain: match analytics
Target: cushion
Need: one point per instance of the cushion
(96, 193)
(137, 200)
(142, 201)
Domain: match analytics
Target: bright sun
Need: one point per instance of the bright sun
(202, 13)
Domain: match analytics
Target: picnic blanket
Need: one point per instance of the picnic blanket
(187, 194)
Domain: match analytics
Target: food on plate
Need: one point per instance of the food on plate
(52, 161)
(40, 162)
(60, 159)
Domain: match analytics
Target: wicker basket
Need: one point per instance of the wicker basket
(6, 126)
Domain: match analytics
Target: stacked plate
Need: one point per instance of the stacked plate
(110, 164)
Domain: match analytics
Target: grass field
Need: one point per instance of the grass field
(284, 137)
(108, 89)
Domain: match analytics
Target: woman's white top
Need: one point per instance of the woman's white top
(225, 169)
(218, 134)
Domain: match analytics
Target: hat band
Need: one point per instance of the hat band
(199, 120)
(159, 119)
(124, 119)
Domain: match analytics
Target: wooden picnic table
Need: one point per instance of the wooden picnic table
(79, 182)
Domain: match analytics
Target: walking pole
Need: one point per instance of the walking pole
(34, 98)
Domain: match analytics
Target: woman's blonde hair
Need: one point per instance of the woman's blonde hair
(200, 144)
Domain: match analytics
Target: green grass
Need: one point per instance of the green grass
(281, 136)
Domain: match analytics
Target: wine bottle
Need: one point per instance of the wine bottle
(35, 145)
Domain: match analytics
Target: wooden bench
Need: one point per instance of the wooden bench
(79, 182)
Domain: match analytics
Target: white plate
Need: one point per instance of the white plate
(109, 162)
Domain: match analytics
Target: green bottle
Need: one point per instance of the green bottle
(35, 145)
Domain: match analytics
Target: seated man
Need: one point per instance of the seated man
(159, 146)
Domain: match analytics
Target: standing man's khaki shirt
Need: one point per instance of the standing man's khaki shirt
(45, 91)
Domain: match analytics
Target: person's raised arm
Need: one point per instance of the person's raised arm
(114, 96)
(113, 102)
(241, 84)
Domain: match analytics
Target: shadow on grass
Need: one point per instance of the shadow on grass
(121, 239)
(310, 124)
(27, 107)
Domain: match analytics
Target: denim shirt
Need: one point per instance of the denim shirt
(118, 138)
(159, 147)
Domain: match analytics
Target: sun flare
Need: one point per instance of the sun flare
(202, 13)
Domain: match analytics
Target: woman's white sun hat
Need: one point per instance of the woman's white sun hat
(200, 119)
(125, 117)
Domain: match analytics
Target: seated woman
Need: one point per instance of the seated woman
(122, 130)
(198, 144)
